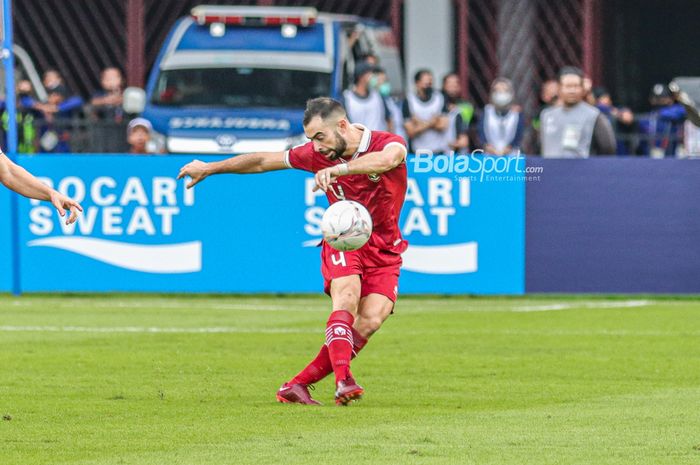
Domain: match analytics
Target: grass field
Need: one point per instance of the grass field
(192, 380)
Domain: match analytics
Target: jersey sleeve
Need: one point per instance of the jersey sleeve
(393, 139)
(300, 157)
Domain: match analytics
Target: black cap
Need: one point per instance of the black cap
(598, 92)
(660, 91)
(59, 89)
(364, 68)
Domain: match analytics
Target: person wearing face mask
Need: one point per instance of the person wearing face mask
(460, 113)
(574, 129)
(425, 116)
(501, 125)
(381, 83)
(106, 103)
(363, 104)
(68, 106)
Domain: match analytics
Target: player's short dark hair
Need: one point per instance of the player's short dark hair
(323, 107)
(570, 71)
(419, 74)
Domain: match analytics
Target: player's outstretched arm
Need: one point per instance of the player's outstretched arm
(372, 163)
(258, 162)
(18, 179)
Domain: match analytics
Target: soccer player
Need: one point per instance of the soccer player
(350, 162)
(18, 179)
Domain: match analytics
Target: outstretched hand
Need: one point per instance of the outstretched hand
(63, 203)
(196, 170)
(325, 178)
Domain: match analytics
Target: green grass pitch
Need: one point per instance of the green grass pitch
(151, 380)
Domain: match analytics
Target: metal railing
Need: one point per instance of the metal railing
(87, 135)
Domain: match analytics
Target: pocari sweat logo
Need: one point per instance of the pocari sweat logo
(427, 217)
(119, 216)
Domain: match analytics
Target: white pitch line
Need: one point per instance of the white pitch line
(148, 330)
(575, 305)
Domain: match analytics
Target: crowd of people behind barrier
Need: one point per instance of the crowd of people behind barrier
(574, 119)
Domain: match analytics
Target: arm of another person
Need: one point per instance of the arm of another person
(16, 178)
(393, 154)
(603, 142)
(442, 121)
(259, 162)
(413, 126)
(70, 104)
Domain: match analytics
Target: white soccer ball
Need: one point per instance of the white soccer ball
(346, 225)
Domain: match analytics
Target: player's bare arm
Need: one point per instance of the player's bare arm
(16, 178)
(258, 162)
(372, 163)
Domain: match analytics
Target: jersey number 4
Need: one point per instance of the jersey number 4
(340, 260)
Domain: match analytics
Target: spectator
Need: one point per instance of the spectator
(383, 86)
(460, 113)
(364, 104)
(425, 116)
(69, 106)
(621, 119)
(26, 133)
(661, 129)
(549, 97)
(549, 94)
(501, 126)
(574, 129)
(54, 133)
(138, 135)
(106, 103)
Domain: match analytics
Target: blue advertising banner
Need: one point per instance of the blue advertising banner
(614, 225)
(5, 243)
(143, 231)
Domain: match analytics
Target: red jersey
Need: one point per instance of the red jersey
(382, 194)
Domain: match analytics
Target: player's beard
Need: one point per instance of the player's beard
(339, 149)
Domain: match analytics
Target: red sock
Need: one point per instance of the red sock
(339, 342)
(358, 342)
(321, 366)
(315, 371)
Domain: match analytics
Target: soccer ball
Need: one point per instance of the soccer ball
(346, 225)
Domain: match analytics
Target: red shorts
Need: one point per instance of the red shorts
(382, 279)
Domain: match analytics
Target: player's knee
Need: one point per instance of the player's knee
(367, 326)
(346, 299)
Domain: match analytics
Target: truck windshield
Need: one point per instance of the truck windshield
(240, 87)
